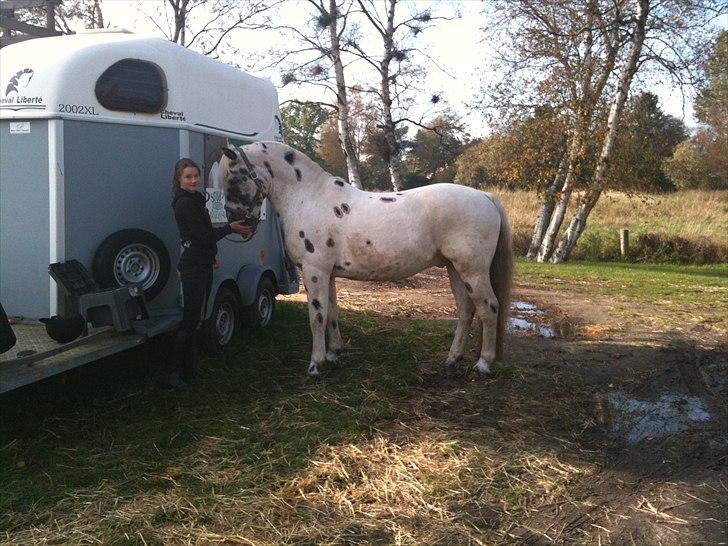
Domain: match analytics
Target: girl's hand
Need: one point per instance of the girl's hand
(241, 228)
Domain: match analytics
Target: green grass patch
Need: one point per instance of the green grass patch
(676, 288)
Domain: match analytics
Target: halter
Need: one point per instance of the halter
(258, 197)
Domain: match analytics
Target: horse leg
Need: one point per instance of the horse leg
(466, 310)
(335, 343)
(477, 285)
(317, 292)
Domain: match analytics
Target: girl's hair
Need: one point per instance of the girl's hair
(180, 166)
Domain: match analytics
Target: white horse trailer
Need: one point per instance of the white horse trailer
(91, 126)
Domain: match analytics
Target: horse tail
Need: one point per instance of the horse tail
(501, 276)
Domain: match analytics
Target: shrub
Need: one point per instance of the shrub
(597, 245)
(660, 247)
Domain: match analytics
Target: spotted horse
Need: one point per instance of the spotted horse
(333, 229)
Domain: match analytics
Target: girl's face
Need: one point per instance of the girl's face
(189, 179)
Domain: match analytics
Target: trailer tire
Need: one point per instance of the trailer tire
(260, 313)
(132, 256)
(219, 330)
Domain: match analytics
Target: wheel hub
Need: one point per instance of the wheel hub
(136, 263)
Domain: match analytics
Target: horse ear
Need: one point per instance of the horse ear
(231, 155)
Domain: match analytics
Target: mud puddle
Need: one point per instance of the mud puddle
(526, 317)
(672, 413)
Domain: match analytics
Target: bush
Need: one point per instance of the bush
(598, 245)
(603, 245)
(659, 247)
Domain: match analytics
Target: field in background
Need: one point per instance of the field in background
(686, 227)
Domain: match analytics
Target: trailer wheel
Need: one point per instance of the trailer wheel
(260, 313)
(220, 328)
(132, 256)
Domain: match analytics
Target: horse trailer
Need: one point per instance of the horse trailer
(91, 126)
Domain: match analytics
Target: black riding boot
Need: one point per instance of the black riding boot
(174, 363)
(191, 360)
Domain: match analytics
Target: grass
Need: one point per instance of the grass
(681, 227)
(676, 289)
(692, 214)
(383, 450)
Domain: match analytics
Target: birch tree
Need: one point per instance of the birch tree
(313, 58)
(668, 34)
(394, 66)
(560, 54)
(582, 57)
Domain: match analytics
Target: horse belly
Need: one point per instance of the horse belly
(379, 258)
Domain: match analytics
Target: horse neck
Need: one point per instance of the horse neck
(285, 194)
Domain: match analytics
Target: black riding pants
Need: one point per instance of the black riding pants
(196, 286)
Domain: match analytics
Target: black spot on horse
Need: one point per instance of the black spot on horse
(493, 308)
(314, 279)
(329, 242)
(298, 173)
(301, 234)
(397, 193)
(468, 287)
(264, 146)
(316, 304)
(347, 264)
(298, 264)
(387, 199)
(308, 244)
(369, 242)
(334, 325)
(233, 195)
(270, 171)
(337, 212)
(289, 157)
(339, 182)
(339, 268)
(345, 208)
(319, 318)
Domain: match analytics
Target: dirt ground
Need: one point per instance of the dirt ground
(653, 387)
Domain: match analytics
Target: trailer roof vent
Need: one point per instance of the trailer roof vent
(132, 85)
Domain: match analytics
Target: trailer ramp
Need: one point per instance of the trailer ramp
(36, 356)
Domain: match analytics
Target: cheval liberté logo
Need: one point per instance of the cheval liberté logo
(15, 97)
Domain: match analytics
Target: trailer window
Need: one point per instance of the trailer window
(132, 85)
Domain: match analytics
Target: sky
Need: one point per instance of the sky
(456, 46)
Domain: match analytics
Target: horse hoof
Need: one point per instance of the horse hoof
(482, 369)
(313, 371)
(449, 367)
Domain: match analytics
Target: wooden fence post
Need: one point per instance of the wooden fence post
(624, 242)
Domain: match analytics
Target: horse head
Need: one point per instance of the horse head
(244, 182)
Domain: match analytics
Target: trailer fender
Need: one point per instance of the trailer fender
(248, 278)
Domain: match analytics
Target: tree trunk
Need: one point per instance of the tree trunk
(578, 223)
(544, 213)
(557, 216)
(395, 160)
(342, 101)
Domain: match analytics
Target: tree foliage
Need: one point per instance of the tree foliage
(433, 150)
(702, 161)
(302, 122)
(524, 153)
(646, 139)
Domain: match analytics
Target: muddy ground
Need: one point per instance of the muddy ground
(647, 388)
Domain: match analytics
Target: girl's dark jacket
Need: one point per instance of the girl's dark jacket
(199, 238)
